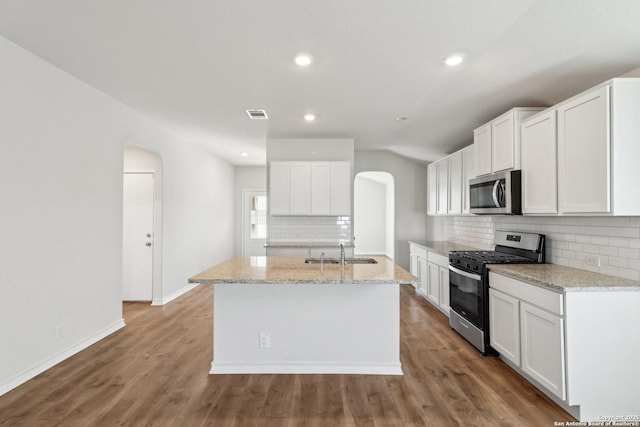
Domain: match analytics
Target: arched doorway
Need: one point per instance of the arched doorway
(374, 214)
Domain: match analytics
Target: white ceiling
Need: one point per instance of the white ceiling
(196, 65)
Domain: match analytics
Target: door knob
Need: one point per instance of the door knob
(148, 244)
(148, 234)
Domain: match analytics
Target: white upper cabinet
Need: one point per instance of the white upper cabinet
(539, 161)
(502, 143)
(443, 186)
(310, 188)
(299, 188)
(455, 183)
(482, 142)
(468, 172)
(279, 188)
(340, 191)
(498, 142)
(584, 153)
(321, 185)
(598, 150)
(432, 189)
(448, 181)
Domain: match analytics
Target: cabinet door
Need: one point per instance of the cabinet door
(300, 188)
(341, 188)
(279, 188)
(455, 183)
(504, 325)
(542, 343)
(584, 154)
(433, 285)
(468, 172)
(502, 143)
(432, 189)
(482, 142)
(443, 181)
(320, 188)
(423, 275)
(413, 264)
(443, 282)
(539, 165)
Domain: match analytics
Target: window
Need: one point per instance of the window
(259, 217)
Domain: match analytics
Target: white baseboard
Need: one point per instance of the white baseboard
(304, 368)
(176, 294)
(65, 354)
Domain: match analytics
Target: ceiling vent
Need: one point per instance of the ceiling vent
(257, 114)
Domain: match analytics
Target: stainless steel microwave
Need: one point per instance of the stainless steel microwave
(497, 194)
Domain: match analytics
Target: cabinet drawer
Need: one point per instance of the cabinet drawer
(548, 300)
(438, 259)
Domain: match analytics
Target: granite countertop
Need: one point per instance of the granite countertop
(309, 245)
(274, 270)
(564, 279)
(442, 247)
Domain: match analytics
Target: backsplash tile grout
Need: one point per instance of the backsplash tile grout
(310, 229)
(579, 242)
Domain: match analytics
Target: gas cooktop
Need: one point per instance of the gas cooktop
(490, 257)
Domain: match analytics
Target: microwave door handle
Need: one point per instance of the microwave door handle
(495, 193)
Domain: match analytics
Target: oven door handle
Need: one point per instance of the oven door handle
(465, 274)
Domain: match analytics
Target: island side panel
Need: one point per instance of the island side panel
(312, 328)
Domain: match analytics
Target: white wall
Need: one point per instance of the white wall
(61, 218)
(410, 180)
(369, 216)
(246, 178)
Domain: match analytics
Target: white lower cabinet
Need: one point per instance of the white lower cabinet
(423, 275)
(526, 326)
(443, 275)
(433, 287)
(418, 264)
(542, 341)
(504, 321)
(579, 346)
(433, 271)
(437, 292)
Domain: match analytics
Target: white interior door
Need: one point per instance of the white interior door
(137, 237)
(254, 222)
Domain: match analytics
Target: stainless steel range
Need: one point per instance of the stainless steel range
(469, 282)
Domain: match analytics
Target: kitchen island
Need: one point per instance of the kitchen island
(280, 315)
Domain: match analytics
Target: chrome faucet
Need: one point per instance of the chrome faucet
(342, 260)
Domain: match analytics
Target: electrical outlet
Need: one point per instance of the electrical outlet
(59, 331)
(263, 340)
(593, 260)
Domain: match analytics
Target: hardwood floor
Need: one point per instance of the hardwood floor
(155, 372)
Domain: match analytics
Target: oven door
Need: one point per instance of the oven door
(467, 295)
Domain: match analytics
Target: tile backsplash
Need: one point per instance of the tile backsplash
(600, 244)
(310, 229)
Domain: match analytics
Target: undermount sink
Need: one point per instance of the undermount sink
(361, 261)
(337, 261)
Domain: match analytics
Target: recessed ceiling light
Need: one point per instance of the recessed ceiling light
(244, 154)
(401, 118)
(303, 59)
(309, 117)
(453, 60)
